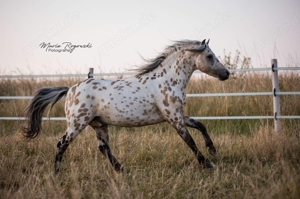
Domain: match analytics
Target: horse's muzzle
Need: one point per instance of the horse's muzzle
(224, 76)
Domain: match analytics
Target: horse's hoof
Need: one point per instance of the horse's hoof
(119, 168)
(208, 165)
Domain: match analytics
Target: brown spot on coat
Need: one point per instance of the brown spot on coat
(174, 83)
(128, 83)
(165, 101)
(86, 118)
(83, 110)
(167, 111)
(73, 89)
(175, 98)
(78, 94)
(80, 115)
(77, 125)
(145, 80)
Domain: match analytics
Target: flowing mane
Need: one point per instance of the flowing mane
(154, 63)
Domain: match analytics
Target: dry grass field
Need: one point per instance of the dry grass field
(252, 160)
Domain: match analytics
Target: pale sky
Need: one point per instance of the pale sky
(120, 31)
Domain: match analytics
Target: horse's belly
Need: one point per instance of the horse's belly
(131, 115)
(133, 121)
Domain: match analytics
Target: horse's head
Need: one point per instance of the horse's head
(207, 62)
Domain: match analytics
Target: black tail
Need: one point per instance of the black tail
(37, 106)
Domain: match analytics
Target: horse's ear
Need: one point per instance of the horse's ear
(207, 42)
(203, 42)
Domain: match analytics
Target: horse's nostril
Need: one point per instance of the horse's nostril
(227, 73)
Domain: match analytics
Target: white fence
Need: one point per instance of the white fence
(275, 92)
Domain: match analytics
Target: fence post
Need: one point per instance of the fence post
(276, 99)
(91, 73)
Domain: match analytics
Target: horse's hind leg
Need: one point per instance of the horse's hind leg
(103, 145)
(63, 144)
(198, 125)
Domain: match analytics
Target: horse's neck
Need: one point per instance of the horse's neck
(177, 68)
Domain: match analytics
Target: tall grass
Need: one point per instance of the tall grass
(252, 160)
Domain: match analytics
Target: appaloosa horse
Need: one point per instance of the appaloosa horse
(156, 94)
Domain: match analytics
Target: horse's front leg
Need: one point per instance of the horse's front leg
(185, 135)
(198, 125)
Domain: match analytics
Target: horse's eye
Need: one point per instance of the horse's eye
(209, 56)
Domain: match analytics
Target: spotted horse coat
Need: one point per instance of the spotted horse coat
(157, 93)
